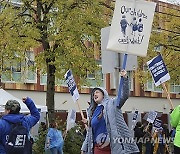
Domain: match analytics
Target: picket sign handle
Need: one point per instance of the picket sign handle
(147, 127)
(121, 81)
(82, 115)
(167, 95)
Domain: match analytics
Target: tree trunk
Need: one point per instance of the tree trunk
(50, 91)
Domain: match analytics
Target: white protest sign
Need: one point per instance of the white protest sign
(131, 27)
(158, 70)
(71, 118)
(151, 116)
(109, 58)
(134, 118)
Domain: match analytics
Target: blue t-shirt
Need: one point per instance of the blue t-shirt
(55, 139)
(98, 126)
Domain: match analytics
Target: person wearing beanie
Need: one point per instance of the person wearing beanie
(107, 129)
(13, 116)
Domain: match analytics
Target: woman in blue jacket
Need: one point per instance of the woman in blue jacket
(12, 116)
(108, 133)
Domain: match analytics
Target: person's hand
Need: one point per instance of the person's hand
(85, 121)
(171, 111)
(82, 152)
(123, 73)
(24, 99)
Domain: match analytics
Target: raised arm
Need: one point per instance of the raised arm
(125, 89)
(34, 116)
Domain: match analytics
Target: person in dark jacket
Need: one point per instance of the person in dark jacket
(138, 135)
(12, 115)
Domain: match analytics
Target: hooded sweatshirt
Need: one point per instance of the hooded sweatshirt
(28, 121)
(175, 122)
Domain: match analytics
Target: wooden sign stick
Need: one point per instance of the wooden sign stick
(82, 115)
(168, 96)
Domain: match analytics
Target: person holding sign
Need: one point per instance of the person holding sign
(108, 132)
(138, 135)
(175, 122)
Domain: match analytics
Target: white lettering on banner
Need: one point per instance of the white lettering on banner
(158, 68)
(71, 85)
(156, 64)
(70, 82)
(159, 72)
(20, 140)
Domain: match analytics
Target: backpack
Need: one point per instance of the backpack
(17, 141)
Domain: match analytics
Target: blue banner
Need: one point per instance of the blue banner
(158, 70)
(157, 123)
(72, 85)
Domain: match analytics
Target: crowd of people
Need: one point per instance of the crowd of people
(151, 140)
(107, 132)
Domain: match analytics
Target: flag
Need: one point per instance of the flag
(158, 70)
(72, 85)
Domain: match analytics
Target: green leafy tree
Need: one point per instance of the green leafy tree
(62, 28)
(165, 39)
(73, 141)
(12, 46)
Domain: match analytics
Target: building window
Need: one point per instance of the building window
(58, 82)
(31, 76)
(130, 77)
(150, 86)
(17, 71)
(175, 88)
(43, 79)
(95, 79)
(11, 72)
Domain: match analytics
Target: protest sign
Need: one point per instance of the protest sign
(135, 115)
(134, 119)
(157, 123)
(151, 116)
(158, 70)
(72, 85)
(71, 118)
(131, 27)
